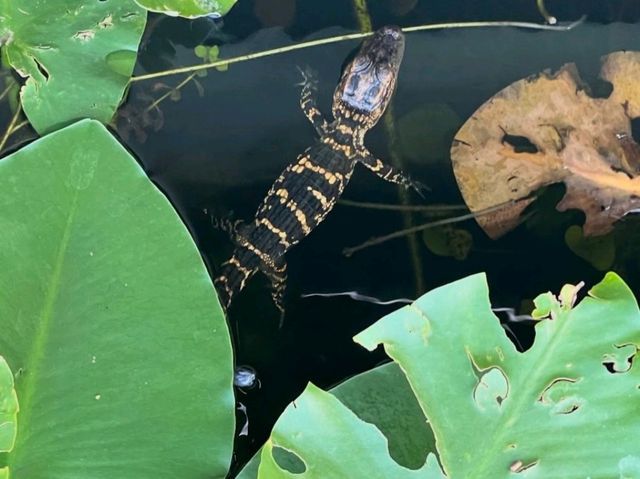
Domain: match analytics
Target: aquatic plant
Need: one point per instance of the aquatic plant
(121, 362)
(116, 359)
(557, 410)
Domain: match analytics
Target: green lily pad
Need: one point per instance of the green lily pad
(189, 8)
(109, 319)
(600, 251)
(77, 56)
(448, 241)
(425, 133)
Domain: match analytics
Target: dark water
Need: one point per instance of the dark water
(219, 153)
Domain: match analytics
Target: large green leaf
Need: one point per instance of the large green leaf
(382, 397)
(189, 8)
(109, 320)
(569, 407)
(77, 56)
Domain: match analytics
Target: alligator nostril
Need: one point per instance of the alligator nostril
(393, 32)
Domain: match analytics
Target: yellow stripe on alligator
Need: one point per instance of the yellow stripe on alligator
(324, 201)
(275, 230)
(283, 194)
(300, 216)
(264, 257)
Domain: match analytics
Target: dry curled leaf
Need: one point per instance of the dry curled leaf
(548, 129)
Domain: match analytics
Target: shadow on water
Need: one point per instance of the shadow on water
(219, 153)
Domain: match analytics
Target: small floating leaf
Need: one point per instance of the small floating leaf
(448, 241)
(425, 133)
(121, 61)
(600, 251)
(200, 51)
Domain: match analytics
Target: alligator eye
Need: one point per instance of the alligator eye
(353, 85)
(372, 94)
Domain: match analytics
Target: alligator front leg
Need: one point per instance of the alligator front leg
(389, 173)
(277, 274)
(228, 225)
(308, 101)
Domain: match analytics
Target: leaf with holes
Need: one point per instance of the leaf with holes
(547, 129)
(189, 8)
(76, 55)
(332, 442)
(109, 319)
(380, 396)
(566, 408)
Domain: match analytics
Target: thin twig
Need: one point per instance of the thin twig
(351, 36)
(410, 208)
(424, 226)
(250, 56)
(10, 129)
(528, 25)
(19, 126)
(170, 92)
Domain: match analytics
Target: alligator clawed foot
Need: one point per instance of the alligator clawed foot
(309, 78)
(226, 224)
(418, 187)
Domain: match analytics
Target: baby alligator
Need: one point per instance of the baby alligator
(307, 190)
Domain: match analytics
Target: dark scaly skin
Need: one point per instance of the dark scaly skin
(307, 190)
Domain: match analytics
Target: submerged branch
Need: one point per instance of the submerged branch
(410, 208)
(19, 126)
(432, 224)
(5, 92)
(351, 36)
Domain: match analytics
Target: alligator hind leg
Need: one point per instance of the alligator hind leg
(391, 174)
(277, 274)
(308, 100)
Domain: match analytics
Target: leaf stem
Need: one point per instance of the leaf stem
(170, 92)
(351, 36)
(19, 126)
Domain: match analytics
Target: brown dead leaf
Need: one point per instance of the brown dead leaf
(547, 129)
